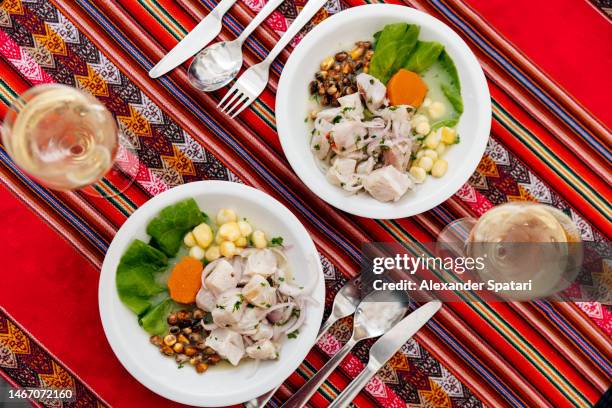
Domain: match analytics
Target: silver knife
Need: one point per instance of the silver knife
(198, 38)
(385, 348)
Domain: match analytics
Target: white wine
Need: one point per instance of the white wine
(63, 137)
(524, 241)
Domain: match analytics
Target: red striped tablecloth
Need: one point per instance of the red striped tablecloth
(548, 65)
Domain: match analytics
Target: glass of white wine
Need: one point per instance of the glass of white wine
(521, 241)
(61, 136)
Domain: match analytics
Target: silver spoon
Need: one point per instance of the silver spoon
(376, 314)
(345, 303)
(216, 65)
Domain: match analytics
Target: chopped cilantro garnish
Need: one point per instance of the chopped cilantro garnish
(293, 334)
(276, 241)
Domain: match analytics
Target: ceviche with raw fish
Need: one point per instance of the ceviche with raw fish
(385, 112)
(212, 289)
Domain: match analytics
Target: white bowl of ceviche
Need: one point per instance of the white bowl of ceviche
(383, 111)
(211, 293)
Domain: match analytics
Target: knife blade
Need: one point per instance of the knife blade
(198, 38)
(385, 347)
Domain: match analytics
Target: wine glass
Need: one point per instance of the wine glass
(65, 139)
(520, 241)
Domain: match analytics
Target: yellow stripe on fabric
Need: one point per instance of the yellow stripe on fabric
(550, 159)
(164, 18)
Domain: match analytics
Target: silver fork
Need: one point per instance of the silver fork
(345, 304)
(254, 80)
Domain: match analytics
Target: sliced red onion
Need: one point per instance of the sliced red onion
(298, 322)
(255, 368)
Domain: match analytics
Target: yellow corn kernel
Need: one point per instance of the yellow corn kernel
(241, 242)
(441, 149)
(197, 252)
(259, 239)
(448, 135)
(245, 228)
(227, 249)
(439, 168)
(327, 63)
(229, 231)
(432, 140)
(212, 253)
(430, 153)
(418, 174)
(357, 52)
(426, 163)
(422, 128)
(436, 110)
(225, 215)
(189, 240)
(203, 235)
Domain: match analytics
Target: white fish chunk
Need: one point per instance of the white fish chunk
(222, 278)
(258, 292)
(227, 344)
(372, 90)
(205, 300)
(351, 106)
(265, 331)
(262, 350)
(342, 171)
(387, 184)
(250, 322)
(346, 135)
(366, 166)
(261, 262)
(229, 308)
(398, 155)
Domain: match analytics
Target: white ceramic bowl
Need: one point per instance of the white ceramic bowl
(340, 32)
(220, 385)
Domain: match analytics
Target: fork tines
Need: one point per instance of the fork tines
(237, 103)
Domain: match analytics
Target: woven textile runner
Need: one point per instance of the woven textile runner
(541, 140)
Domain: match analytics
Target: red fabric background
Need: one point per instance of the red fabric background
(38, 260)
(568, 39)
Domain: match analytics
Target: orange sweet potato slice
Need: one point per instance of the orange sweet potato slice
(406, 88)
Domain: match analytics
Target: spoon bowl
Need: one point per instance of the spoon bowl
(216, 65)
(376, 314)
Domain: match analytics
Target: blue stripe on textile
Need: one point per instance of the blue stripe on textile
(441, 332)
(559, 111)
(57, 205)
(603, 363)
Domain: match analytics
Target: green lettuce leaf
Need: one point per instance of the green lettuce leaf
(424, 54)
(452, 89)
(136, 275)
(154, 321)
(170, 226)
(393, 47)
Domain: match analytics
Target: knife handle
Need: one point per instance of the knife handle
(270, 6)
(308, 12)
(354, 388)
(301, 397)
